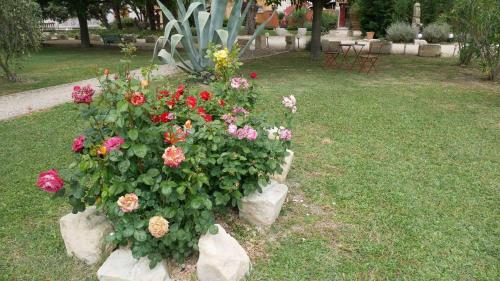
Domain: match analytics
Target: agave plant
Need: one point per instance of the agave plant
(209, 26)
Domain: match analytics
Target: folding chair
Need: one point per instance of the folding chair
(367, 62)
(332, 50)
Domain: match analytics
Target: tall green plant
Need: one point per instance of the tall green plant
(209, 27)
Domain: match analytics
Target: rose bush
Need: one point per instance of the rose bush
(160, 162)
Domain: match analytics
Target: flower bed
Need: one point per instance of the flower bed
(160, 162)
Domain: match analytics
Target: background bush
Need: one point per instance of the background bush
(328, 21)
(401, 32)
(436, 32)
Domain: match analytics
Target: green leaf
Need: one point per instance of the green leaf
(140, 235)
(153, 172)
(128, 232)
(122, 106)
(140, 150)
(133, 134)
(167, 187)
(124, 165)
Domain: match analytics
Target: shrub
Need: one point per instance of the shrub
(328, 21)
(20, 32)
(436, 32)
(160, 161)
(400, 32)
(298, 17)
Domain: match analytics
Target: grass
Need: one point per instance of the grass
(395, 177)
(57, 65)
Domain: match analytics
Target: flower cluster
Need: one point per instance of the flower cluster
(221, 58)
(239, 83)
(290, 102)
(247, 132)
(280, 133)
(83, 94)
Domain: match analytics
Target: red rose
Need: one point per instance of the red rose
(205, 95)
(180, 91)
(221, 102)
(170, 103)
(163, 94)
(191, 102)
(207, 117)
(137, 98)
(167, 116)
(201, 111)
(253, 75)
(155, 118)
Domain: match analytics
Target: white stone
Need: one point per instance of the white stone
(221, 258)
(262, 209)
(84, 234)
(285, 167)
(122, 266)
(420, 42)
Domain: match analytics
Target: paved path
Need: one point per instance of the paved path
(35, 100)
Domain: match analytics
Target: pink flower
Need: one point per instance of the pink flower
(128, 203)
(50, 181)
(290, 102)
(113, 143)
(173, 156)
(78, 143)
(251, 134)
(238, 109)
(228, 118)
(231, 129)
(239, 83)
(83, 95)
(285, 134)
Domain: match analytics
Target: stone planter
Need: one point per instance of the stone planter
(260, 42)
(151, 39)
(370, 35)
(302, 31)
(95, 38)
(429, 50)
(242, 42)
(380, 47)
(129, 38)
(281, 31)
(290, 42)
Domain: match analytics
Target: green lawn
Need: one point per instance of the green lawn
(395, 178)
(56, 65)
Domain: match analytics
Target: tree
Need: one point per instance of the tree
(250, 20)
(80, 9)
(20, 32)
(375, 15)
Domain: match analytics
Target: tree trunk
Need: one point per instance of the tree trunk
(116, 12)
(250, 20)
(316, 30)
(5, 66)
(150, 10)
(84, 29)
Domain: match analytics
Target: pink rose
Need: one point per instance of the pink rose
(83, 95)
(251, 134)
(113, 143)
(231, 129)
(50, 181)
(173, 156)
(78, 143)
(239, 83)
(285, 134)
(128, 203)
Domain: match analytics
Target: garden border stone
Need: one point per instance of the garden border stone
(263, 208)
(84, 234)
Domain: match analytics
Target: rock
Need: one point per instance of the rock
(221, 258)
(122, 266)
(84, 234)
(262, 209)
(285, 168)
(429, 50)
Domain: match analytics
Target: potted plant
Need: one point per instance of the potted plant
(299, 17)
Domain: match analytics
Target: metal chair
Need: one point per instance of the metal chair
(332, 50)
(367, 62)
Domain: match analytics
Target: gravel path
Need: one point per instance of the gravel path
(35, 100)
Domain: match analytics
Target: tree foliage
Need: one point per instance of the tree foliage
(20, 32)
